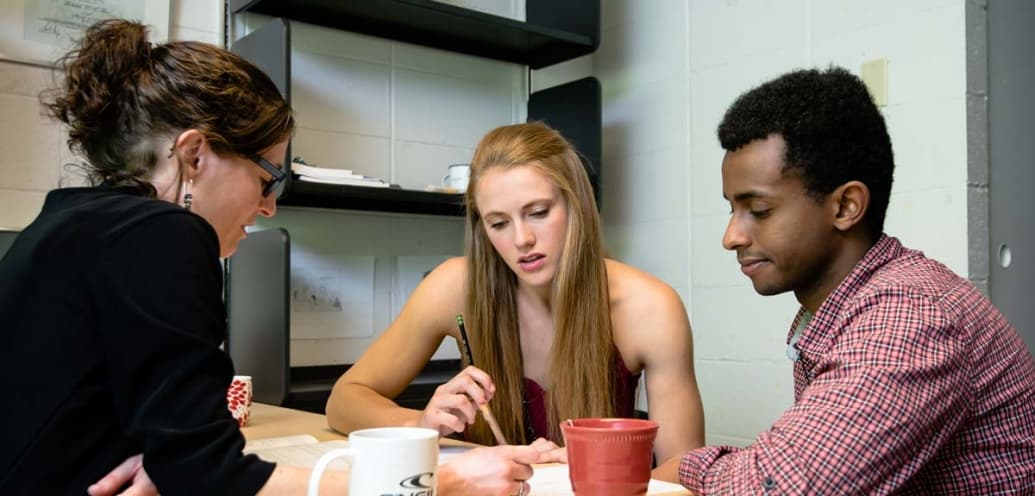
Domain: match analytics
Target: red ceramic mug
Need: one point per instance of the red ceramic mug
(609, 456)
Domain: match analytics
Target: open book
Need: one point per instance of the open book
(304, 450)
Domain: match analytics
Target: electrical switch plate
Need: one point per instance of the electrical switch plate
(875, 76)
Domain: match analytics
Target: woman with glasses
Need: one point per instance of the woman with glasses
(110, 300)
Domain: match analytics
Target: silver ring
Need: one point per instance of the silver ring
(521, 488)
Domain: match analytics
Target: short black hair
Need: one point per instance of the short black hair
(833, 131)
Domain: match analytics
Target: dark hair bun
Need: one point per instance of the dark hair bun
(106, 61)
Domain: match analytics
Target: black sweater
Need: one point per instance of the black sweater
(111, 317)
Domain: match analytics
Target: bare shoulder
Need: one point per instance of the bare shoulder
(633, 291)
(452, 272)
(647, 314)
(437, 299)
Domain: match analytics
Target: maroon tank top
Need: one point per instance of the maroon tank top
(535, 401)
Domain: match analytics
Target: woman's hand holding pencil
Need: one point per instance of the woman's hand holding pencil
(455, 404)
(484, 407)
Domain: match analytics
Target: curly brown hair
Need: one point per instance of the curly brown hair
(121, 96)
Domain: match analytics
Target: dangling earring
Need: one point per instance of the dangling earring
(188, 198)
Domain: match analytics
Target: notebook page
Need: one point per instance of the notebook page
(553, 481)
(304, 450)
(302, 455)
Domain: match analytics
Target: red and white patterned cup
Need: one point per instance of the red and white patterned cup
(239, 398)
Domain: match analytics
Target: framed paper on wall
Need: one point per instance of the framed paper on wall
(39, 31)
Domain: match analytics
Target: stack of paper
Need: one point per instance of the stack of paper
(304, 450)
(325, 175)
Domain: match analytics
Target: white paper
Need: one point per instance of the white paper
(446, 453)
(331, 296)
(304, 450)
(278, 442)
(322, 172)
(553, 481)
(301, 455)
(369, 183)
(41, 30)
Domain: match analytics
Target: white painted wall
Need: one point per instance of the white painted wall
(669, 69)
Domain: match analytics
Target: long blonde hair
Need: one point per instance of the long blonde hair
(582, 356)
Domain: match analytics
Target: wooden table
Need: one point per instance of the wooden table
(269, 421)
(274, 421)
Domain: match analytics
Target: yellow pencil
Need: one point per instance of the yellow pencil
(489, 418)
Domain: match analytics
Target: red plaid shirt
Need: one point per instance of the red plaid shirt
(908, 381)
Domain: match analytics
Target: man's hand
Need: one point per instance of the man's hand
(131, 470)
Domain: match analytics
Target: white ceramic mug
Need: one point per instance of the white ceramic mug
(459, 175)
(386, 460)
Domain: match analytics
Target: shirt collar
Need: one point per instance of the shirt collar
(815, 336)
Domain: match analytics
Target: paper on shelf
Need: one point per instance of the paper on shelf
(442, 189)
(324, 172)
(351, 181)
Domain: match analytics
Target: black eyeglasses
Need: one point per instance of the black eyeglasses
(268, 186)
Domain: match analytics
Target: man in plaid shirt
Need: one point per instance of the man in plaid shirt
(907, 379)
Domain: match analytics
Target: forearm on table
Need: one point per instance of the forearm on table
(344, 413)
(678, 432)
(674, 403)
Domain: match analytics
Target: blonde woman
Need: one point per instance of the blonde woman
(556, 329)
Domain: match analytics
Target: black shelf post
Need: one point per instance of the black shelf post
(269, 47)
(574, 110)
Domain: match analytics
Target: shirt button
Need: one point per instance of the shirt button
(769, 483)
